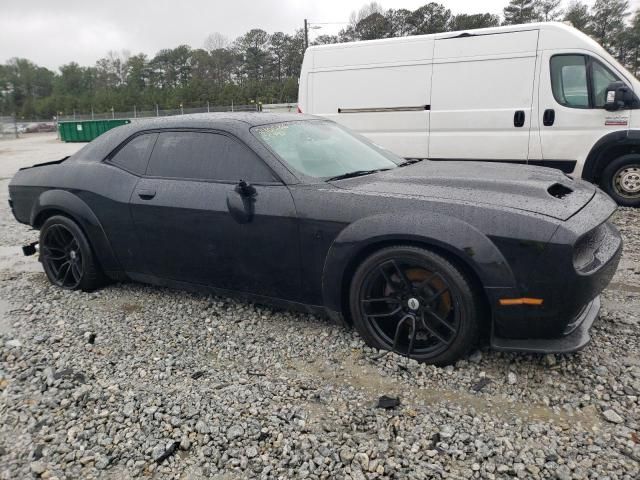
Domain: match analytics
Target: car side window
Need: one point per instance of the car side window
(134, 154)
(569, 80)
(206, 156)
(601, 77)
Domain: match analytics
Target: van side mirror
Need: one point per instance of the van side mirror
(618, 96)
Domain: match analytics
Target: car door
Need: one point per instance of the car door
(109, 199)
(572, 115)
(199, 224)
(482, 95)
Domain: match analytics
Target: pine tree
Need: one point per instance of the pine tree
(549, 10)
(520, 11)
(608, 21)
(578, 14)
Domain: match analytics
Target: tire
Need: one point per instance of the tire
(379, 288)
(621, 180)
(67, 257)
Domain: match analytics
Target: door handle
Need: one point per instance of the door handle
(518, 118)
(146, 194)
(548, 117)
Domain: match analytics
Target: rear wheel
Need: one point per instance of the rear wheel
(621, 180)
(66, 255)
(416, 303)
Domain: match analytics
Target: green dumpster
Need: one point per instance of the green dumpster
(87, 130)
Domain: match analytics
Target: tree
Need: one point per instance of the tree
(607, 21)
(253, 48)
(278, 49)
(364, 12)
(215, 41)
(520, 11)
(399, 22)
(171, 68)
(325, 39)
(465, 21)
(374, 26)
(634, 31)
(137, 72)
(24, 82)
(549, 10)
(578, 14)
(430, 18)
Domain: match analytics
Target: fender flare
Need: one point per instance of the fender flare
(593, 165)
(74, 207)
(450, 234)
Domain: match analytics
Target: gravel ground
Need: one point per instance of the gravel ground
(134, 381)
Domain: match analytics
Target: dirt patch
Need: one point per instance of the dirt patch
(369, 379)
(131, 308)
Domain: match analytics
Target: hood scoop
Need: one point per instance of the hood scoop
(559, 191)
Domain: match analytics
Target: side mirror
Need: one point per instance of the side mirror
(245, 189)
(618, 96)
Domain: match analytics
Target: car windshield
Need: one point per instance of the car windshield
(323, 149)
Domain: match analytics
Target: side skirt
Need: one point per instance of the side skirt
(248, 297)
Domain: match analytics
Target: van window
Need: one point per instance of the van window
(569, 80)
(579, 81)
(601, 77)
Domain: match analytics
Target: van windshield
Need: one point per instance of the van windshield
(323, 149)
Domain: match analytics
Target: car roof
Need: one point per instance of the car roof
(217, 120)
(237, 123)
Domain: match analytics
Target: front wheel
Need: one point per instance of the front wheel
(66, 255)
(621, 180)
(414, 302)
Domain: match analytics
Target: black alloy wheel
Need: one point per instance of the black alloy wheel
(414, 302)
(66, 255)
(62, 257)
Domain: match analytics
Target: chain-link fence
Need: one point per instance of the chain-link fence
(156, 111)
(8, 128)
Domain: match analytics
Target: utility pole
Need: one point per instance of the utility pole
(306, 34)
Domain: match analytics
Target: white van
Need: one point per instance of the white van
(543, 94)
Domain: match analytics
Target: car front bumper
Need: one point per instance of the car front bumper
(575, 340)
(568, 277)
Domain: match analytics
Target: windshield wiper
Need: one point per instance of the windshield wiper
(410, 161)
(356, 173)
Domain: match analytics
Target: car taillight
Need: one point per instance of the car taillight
(299, 109)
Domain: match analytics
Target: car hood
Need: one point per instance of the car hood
(541, 190)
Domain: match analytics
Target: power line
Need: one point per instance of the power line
(328, 23)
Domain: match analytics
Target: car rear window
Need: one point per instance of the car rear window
(205, 156)
(134, 155)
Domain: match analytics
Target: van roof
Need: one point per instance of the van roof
(556, 35)
(558, 26)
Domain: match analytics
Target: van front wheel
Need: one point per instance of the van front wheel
(621, 180)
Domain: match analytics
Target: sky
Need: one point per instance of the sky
(54, 33)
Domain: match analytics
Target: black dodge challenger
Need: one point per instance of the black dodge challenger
(422, 257)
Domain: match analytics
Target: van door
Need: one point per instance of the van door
(482, 96)
(572, 115)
